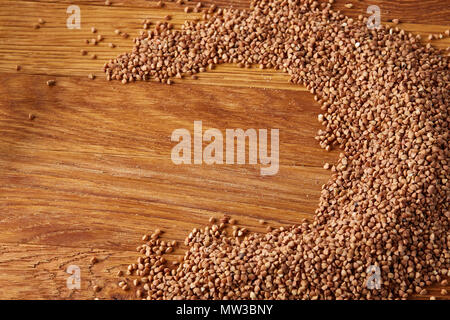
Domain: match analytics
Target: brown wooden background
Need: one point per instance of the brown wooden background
(92, 172)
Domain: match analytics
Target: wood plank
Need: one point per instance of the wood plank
(91, 199)
(40, 272)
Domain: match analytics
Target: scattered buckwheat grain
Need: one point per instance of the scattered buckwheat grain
(384, 104)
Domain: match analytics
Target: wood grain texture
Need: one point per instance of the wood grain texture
(92, 172)
(55, 50)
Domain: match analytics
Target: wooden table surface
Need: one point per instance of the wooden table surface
(92, 172)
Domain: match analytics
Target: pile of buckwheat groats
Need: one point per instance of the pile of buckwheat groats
(385, 99)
